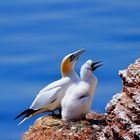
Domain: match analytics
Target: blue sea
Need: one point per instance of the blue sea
(35, 35)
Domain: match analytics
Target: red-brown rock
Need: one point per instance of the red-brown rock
(121, 122)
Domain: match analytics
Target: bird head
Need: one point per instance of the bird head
(68, 62)
(89, 67)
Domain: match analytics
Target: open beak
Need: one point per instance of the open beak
(95, 65)
(76, 54)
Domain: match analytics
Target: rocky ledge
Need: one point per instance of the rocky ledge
(121, 121)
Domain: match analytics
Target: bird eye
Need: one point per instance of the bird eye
(88, 68)
(71, 57)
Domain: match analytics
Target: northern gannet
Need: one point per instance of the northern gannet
(78, 97)
(49, 98)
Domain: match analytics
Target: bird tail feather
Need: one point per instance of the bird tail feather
(24, 119)
(26, 114)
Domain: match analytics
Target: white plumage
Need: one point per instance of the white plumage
(78, 98)
(49, 98)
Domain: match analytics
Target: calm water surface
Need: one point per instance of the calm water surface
(36, 34)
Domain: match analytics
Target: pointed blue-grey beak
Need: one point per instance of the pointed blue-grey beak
(76, 55)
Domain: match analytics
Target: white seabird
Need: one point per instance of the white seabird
(78, 97)
(49, 98)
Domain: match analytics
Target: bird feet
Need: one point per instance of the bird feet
(57, 115)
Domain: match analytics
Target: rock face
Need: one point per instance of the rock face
(121, 122)
(124, 108)
(51, 128)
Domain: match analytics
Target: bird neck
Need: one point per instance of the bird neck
(67, 68)
(85, 76)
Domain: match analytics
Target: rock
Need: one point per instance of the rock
(124, 108)
(121, 121)
(51, 128)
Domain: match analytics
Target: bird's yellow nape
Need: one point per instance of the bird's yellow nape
(66, 66)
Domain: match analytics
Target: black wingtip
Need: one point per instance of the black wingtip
(26, 113)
